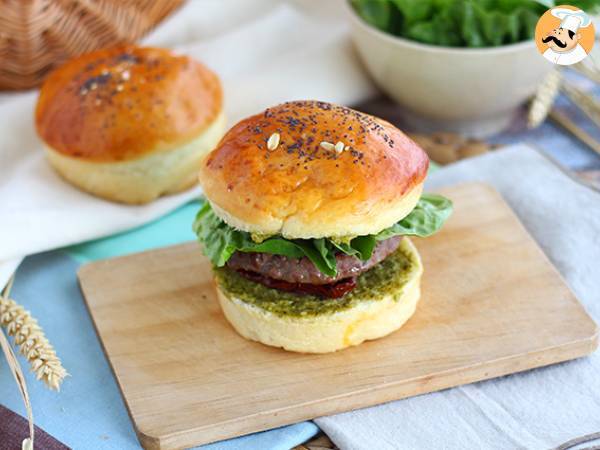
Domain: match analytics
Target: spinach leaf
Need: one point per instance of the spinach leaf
(219, 241)
(376, 12)
(425, 219)
(460, 23)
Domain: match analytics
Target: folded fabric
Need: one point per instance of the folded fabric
(14, 429)
(260, 63)
(538, 409)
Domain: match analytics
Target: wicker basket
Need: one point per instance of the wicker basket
(38, 35)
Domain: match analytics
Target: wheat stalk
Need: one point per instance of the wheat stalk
(564, 121)
(15, 368)
(585, 101)
(32, 342)
(589, 71)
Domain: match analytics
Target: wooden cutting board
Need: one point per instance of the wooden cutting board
(492, 304)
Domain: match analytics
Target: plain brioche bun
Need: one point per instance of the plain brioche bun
(129, 123)
(374, 316)
(304, 187)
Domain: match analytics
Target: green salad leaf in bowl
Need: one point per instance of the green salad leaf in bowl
(460, 23)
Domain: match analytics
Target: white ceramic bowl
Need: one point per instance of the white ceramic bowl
(474, 91)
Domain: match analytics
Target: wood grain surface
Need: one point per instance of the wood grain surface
(492, 304)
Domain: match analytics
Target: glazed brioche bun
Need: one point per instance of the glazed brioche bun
(303, 187)
(374, 316)
(128, 123)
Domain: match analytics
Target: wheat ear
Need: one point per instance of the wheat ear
(32, 342)
(544, 98)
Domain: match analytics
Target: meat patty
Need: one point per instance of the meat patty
(302, 270)
(332, 290)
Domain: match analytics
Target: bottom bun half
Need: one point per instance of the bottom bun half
(382, 302)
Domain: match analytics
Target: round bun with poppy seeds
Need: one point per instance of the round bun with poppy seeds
(130, 123)
(310, 169)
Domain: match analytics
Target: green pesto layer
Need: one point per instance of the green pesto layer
(386, 278)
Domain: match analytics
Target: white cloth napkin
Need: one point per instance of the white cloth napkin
(538, 409)
(264, 51)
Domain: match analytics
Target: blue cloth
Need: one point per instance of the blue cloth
(89, 412)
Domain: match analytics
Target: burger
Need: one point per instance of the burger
(307, 211)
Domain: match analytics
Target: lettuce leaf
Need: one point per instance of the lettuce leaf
(424, 220)
(219, 241)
